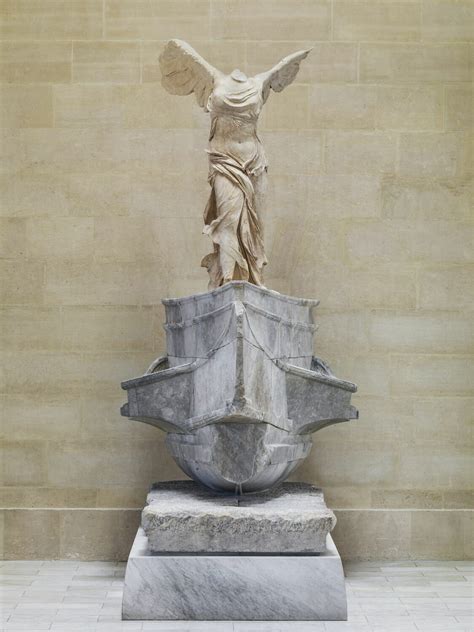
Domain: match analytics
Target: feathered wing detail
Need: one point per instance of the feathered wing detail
(184, 71)
(284, 73)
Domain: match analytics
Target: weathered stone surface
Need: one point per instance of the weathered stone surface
(239, 392)
(182, 516)
(234, 587)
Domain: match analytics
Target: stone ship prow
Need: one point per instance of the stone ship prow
(239, 391)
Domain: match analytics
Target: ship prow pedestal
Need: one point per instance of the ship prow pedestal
(239, 394)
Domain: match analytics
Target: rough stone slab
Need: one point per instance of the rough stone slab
(234, 587)
(182, 516)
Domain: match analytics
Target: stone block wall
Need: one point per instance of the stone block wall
(103, 188)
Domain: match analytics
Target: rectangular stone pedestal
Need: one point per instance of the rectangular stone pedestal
(255, 587)
(183, 517)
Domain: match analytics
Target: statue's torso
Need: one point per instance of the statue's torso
(235, 107)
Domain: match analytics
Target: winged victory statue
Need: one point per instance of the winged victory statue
(237, 162)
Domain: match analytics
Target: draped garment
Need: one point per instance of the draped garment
(230, 216)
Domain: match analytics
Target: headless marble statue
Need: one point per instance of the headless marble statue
(237, 162)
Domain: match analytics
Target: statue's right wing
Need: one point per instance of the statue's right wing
(184, 71)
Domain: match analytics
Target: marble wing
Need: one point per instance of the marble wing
(184, 71)
(283, 73)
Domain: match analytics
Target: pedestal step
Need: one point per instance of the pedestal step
(233, 587)
(183, 517)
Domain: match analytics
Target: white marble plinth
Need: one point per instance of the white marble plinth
(233, 587)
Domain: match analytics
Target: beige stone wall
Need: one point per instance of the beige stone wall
(103, 187)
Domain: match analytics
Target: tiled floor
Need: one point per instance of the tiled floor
(86, 596)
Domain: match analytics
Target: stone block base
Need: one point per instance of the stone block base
(233, 587)
(184, 517)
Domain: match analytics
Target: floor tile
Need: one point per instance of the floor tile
(74, 596)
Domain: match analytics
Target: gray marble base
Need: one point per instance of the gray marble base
(184, 517)
(233, 587)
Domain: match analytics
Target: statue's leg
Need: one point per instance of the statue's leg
(229, 203)
(259, 183)
(260, 188)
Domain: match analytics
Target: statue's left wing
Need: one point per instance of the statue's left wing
(283, 73)
(184, 71)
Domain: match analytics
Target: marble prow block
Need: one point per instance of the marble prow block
(239, 392)
(233, 587)
(239, 352)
